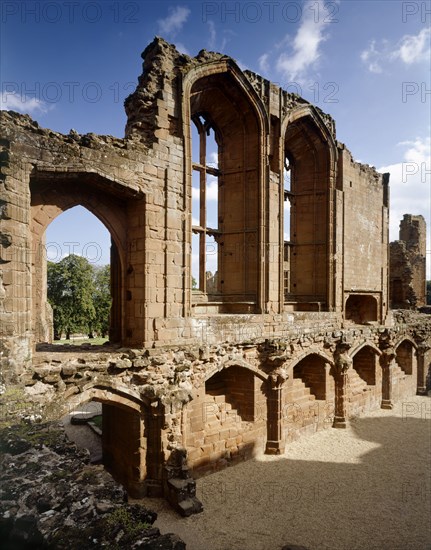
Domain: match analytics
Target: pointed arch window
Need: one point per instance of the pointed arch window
(287, 210)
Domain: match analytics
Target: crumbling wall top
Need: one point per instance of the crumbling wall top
(369, 171)
(163, 64)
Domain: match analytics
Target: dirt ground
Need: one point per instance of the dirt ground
(364, 488)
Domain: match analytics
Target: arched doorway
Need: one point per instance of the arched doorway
(53, 194)
(130, 438)
(78, 257)
(405, 371)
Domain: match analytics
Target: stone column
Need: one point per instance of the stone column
(275, 444)
(342, 364)
(387, 360)
(154, 421)
(115, 328)
(422, 357)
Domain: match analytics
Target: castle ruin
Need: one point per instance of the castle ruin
(290, 333)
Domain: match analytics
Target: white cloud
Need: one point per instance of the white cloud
(414, 49)
(263, 63)
(181, 48)
(195, 193)
(213, 159)
(372, 57)
(212, 189)
(410, 185)
(305, 46)
(212, 35)
(410, 49)
(22, 104)
(174, 22)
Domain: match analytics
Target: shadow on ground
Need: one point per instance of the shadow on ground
(365, 488)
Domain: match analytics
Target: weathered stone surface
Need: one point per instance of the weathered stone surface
(52, 498)
(287, 338)
(408, 264)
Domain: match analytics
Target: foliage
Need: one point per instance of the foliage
(71, 293)
(128, 520)
(78, 341)
(194, 284)
(429, 293)
(102, 299)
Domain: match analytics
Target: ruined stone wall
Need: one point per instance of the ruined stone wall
(408, 264)
(364, 211)
(222, 402)
(140, 189)
(210, 377)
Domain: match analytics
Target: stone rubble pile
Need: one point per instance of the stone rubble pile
(51, 497)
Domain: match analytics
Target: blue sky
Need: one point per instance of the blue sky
(367, 63)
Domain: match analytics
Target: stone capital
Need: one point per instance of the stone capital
(343, 361)
(278, 377)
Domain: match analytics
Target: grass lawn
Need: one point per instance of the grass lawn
(97, 420)
(79, 341)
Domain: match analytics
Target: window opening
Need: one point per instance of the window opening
(205, 194)
(287, 191)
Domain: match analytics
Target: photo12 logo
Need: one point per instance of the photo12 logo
(416, 10)
(52, 92)
(416, 90)
(91, 251)
(70, 12)
(254, 12)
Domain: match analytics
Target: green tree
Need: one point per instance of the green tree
(71, 294)
(429, 293)
(102, 299)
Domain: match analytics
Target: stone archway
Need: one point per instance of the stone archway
(51, 195)
(131, 439)
(227, 420)
(309, 400)
(365, 380)
(405, 369)
(222, 96)
(309, 156)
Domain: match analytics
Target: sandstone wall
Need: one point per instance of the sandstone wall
(408, 264)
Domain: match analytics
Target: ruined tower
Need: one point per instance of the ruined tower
(408, 264)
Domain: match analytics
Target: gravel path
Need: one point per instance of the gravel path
(364, 488)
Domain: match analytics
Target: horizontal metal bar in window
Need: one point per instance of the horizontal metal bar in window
(197, 229)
